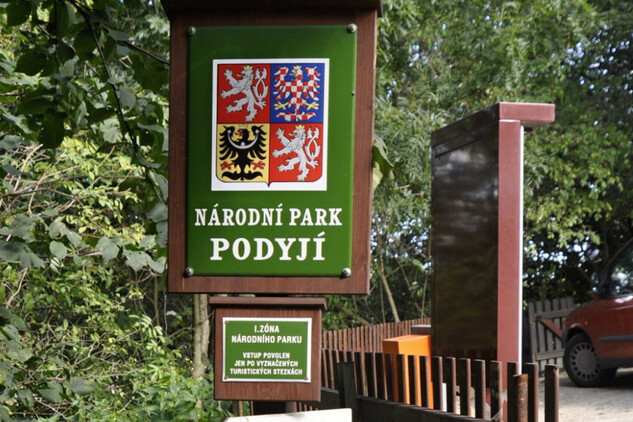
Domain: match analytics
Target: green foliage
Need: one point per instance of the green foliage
(441, 61)
(86, 329)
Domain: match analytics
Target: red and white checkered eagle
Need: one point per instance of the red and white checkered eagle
(297, 96)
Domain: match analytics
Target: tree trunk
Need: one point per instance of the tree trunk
(201, 331)
(392, 303)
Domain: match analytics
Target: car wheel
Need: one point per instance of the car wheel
(581, 363)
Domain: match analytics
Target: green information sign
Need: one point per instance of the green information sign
(270, 150)
(266, 349)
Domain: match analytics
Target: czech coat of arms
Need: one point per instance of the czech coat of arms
(270, 124)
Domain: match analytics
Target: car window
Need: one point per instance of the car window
(621, 280)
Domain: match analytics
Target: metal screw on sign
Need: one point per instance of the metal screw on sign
(346, 273)
(191, 31)
(351, 28)
(189, 272)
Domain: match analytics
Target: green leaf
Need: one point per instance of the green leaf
(29, 260)
(18, 12)
(35, 105)
(79, 386)
(109, 250)
(380, 156)
(57, 229)
(10, 251)
(52, 133)
(136, 260)
(58, 249)
(127, 97)
(11, 142)
(53, 393)
(31, 63)
(6, 316)
(21, 227)
(18, 351)
(158, 213)
(65, 52)
(84, 44)
(64, 18)
(26, 397)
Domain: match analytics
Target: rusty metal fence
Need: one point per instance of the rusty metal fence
(402, 388)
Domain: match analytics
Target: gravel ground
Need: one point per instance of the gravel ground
(613, 403)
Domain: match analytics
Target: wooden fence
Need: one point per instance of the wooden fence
(439, 389)
(369, 338)
(545, 325)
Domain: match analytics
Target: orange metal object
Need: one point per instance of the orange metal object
(409, 345)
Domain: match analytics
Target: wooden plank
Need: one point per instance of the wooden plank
(496, 388)
(540, 333)
(324, 368)
(389, 379)
(347, 388)
(479, 384)
(551, 326)
(381, 377)
(359, 370)
(551, 393)
(532, 328)
(552, 354)
(413, 384)
(450, 377)
(370, 374)
(437, 375)
(465, 392)
(512, 370)
(425, 381)
(402, 380)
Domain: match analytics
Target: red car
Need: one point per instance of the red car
(598, 336)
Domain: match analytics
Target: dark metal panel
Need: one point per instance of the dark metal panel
(464, 244)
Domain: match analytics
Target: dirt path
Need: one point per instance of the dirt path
(608, 404)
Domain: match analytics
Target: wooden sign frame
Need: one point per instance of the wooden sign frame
(187, 14)
(269, 309)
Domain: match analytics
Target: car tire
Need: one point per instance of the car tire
(581, 363)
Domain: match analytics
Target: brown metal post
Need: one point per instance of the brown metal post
(425, 382)
(437, 375)
(347, 388)
(451, 384)
(551, 393)
(465, 394)
(532, 371)
(496, 397)
(517, 404)
(479, 382)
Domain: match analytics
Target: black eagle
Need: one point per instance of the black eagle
(243, 152)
